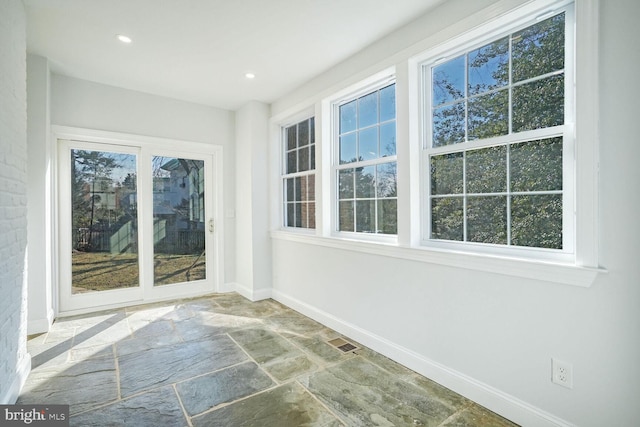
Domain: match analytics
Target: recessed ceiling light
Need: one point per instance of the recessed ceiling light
(250, 76)
(123, 38)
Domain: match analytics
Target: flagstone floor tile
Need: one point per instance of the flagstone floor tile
(223, 360)
(159, 407)
(203, 393)
(168, 364)
(289, 405)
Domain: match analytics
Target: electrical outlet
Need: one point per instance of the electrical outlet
(562, 373)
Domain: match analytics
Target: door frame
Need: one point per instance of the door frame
(144, 146)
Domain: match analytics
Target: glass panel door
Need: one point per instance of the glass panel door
(136, 222)
(179, 222)
(104, 221)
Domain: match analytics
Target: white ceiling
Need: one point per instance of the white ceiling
(199, 50)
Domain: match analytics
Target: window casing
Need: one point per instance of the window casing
(498, 141)
(576, 263)
(298, 177)
(365, 163)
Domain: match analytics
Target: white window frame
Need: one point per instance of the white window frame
(481, 36)
(284, 175)
(365, 87)
(580, 271)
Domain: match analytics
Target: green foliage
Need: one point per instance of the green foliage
(538, 104)
(447, 218)
(537, 221)
(538, 49)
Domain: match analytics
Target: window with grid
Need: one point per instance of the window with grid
(299, 174)
(365, 167)
(496, 131)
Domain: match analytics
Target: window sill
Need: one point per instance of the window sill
(566, 274)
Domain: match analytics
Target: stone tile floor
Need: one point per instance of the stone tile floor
(225, 361)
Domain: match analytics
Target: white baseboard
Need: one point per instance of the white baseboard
(22, 372)
(40, 326)
(496, 400)
(248, 293)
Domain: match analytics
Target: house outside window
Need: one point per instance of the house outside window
(366, 165)
(497, 133)
(298, 178)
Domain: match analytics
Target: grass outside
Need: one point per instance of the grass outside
(99, 271)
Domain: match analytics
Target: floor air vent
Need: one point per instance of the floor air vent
(342, 345)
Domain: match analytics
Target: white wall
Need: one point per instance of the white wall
(487, 335)
(253, 251)
(39, 230)
(14, 360)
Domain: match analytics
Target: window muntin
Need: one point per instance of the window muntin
(298, 179)
(496, 140)
(365, 170)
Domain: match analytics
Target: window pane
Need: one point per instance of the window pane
(487, 219)
(487, 170)
(538, 49)
(290, 189)
(291, 215)
(447, 174)
(388, 139)
(104, 221)
(292, 161)
(368, 110)
(536, 221)
(536, 165)
(303, 133)
(348, 117)
(365, 182)
(303, 159)
(448, 125)
(291, 137)
(345, 220)
(388, 103)
(311, 187)
(489, 115)
(179, 221)
(348, 148)
(386, 180)
(298, 220)
(312, 130)
(304, 215)
(368, 144)
(489, 67)
(345, 184)
(297, 192)
(312, 154)
(303, 188)
(388, 216)
(447, 218)
(311, 214)
(365, 216)
(448, 81)
(539, 104)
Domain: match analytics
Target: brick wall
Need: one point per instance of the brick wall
(14, 363)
